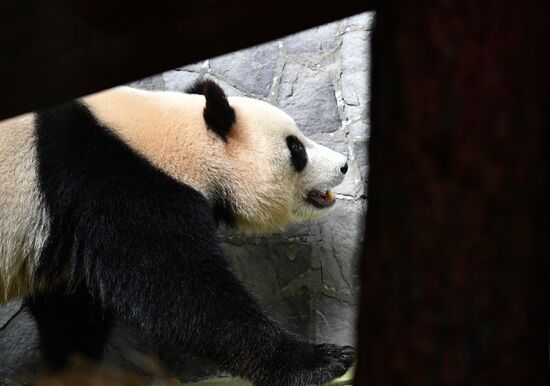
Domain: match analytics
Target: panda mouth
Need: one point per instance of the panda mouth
(319, 199)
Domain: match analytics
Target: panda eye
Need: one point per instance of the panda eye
(298, 155)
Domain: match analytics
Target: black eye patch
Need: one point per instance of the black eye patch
(298, 154)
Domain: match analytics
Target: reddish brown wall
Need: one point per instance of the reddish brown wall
(455, 268)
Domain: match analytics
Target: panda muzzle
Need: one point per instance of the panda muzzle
(321, 200)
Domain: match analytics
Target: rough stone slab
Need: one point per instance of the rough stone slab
(360, 149)
(314, 40)
(18, 342)
(329, 36)
(358, 129)
(341, 234)
(227, 88)
(335, 321)
(308, 96)
(292, 313)
(355, 79)
(269, 270)
(152, 83)
(336, 142)
(303, 231)
(352, 187)
(196, 67)
(178, 80)
(333, 279)
(9, 311)
(252, 69)
(302, 42)
(355, 49)
(362, 21)
(277, 263)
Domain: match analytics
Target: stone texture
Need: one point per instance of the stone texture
(196, 67)
(355, 90)
(362, 21)
(335, 141)
(228, 88)
(253, 69)
(152, 83)
(352, 187)
(341, 233)
(291, 312)
(360, 150)
(306, 41)
(308, 96)
(178, 80)
(336, 321)
(322, 39)
(18, 342)
(329, 36)
(358, 129)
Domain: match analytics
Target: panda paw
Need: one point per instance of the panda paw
(331, 361)
(316, 365)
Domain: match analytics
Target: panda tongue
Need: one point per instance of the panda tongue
(320, 200)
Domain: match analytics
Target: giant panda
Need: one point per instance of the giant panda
(109, 208)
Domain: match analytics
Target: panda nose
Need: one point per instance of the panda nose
(344, 169)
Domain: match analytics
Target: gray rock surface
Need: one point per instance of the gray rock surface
(355, 91)
(308, 96)
(252, 69)
(178, 80)
(306, 276)
(362, 22)
(18, 342)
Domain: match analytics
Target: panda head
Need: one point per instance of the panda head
(246, 156)
(275, 175)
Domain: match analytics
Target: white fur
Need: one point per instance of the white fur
(24, 223)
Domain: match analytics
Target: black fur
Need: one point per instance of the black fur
(222, 208)
(69, 323)
(145, 247)
(197, 87)
(298, 154)
(218, 114)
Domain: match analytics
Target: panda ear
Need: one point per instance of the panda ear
(218, 114)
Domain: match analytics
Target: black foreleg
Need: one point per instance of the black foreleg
(68, 324)
(173, 281)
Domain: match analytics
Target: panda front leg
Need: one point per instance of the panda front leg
(215, 318)
(174, 282)
(69, 323)
(247, 342)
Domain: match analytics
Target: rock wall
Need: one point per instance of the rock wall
(306, 276)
